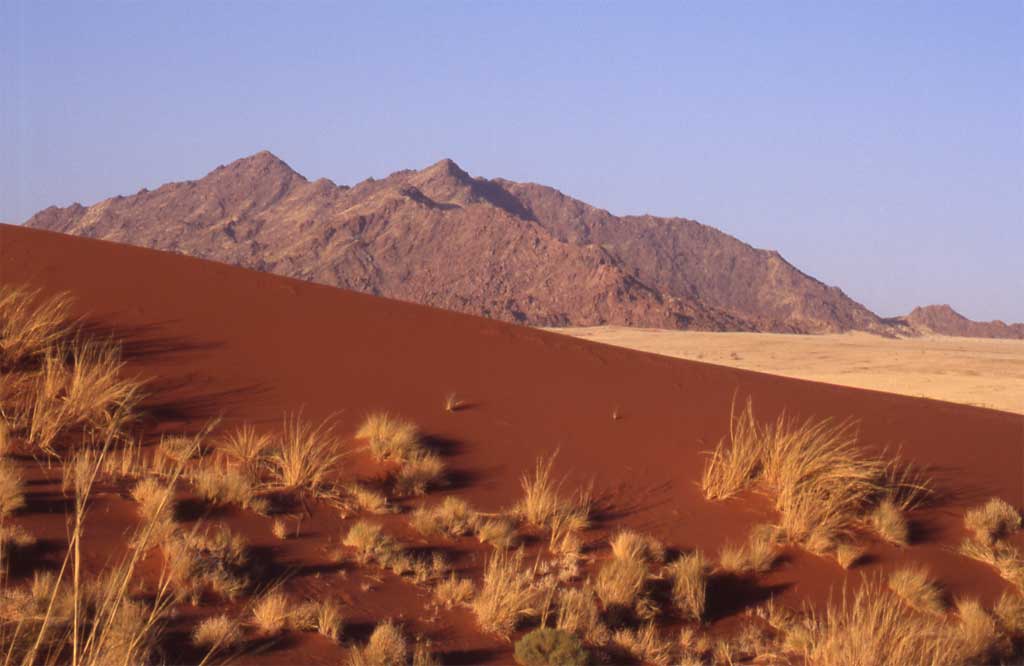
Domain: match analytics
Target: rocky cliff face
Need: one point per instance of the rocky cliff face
(514, 251)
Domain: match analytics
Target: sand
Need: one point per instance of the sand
(223, 341)
(972, 371)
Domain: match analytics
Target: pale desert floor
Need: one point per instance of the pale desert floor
(973, 371)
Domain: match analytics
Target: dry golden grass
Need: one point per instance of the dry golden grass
(620, 584)
(542, 503)
(980, 639)
(629, 545)
(219, 632)
(329, 620)
(848, 554)
(390, 437)
(12, 493)
(1004, 557)
(305, 456)
(245, 446)
(645, 644)
(366, 499)
(731, 469)
(214, 559)
(156, 501)
(912, 584)
(423, 653)
(888, 521)
(371, 544)
(29, 324)
(1009, 610)
(500, 532)
(994, 520)
(221, 485)
(453, 517)
(454, 591)
(689, 585)
(387, 647)
(280, 529)
(272, 613)
(419, 472)
(506, 595)
(874, 629)
(579, 613)
(757, 555)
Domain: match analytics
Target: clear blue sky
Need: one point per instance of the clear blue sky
(879, 146)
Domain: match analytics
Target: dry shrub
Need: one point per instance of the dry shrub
(500, 532)
(220, 486)
(848, 554)
(305, 456)
(367, 499)
(219, 632)
(824, 485)
(272, 613)
(542, 504)
(156, 502)
(1002, 556)
(912, 585)
(994, 520)
(390, 437)
(371, 544)
(12, 495)
(620, 585)
(579, 613)
(387, 647)
(245, 446)
(454, 591)
(507, 593)
(645, 644)
(689, 585)
(420, 472)
(29, 324)
(757, 555)
(329, 620)
(731, 469)
(215, 558)
(453, 517)
(889, 523)
(874, 629)
(628, 545)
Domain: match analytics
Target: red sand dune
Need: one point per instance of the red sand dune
(253, 346)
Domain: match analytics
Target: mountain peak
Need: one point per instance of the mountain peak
(446, 168)
(263, 163)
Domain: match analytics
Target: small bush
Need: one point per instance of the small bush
(550, 647)
(389, 437)
(913, 586)
(367, 499)
(305, 456)
(156, 501)
(579, 613)
(499, 532)
(272, 613)
(689, 585)
(507, 594)
(453, 517)
(994, 520)
(620, 584)
(419, 473)
(453, 591)
(628, 545)
(888, 521)
(542, 504)
(387, 647)
(219, 632)
(371, 544)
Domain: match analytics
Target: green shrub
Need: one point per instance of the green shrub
(550, 647)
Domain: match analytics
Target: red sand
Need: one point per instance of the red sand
(253, 347)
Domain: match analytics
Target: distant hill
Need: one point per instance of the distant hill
(513, 251)
(944, 320)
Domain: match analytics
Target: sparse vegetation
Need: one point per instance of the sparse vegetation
(219, 632)
(389, 437)
(12, 495)
(452, 517)
(371, 544)
(387, 647)
(507, 593)
(889, 523)
(271, 613)
(620, 585)
(913, 585)
(757, 555)
(645, 644)
(500, 532)
(542, 503)
(305, 456)
(453, 591)
(420, 472)
(994, 520)
(628, 545)
(689, 585)
(545, 646)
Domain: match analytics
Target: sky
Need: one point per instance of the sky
(879, 146)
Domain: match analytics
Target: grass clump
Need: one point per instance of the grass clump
(216, 559)
(1002, 556)
(420, 472)
(304, 457)
(366, 499)
(156, 501)
(221, 486)
(757, 555)
(579, 613)
(689, 585)
(620, 585)
(848, 554)
(390, 437)
(888, 521)
(645, 644)
(271, 614)
(542, 505)
(731, 469)
(12, 491)
(628, 545)
(30, 324)
(454, 591)
(507, 594)
(371, 544)
(913, 586)
(245, 446)
(219, 632)
(545, 646)
(453, 517)
(387, 647)
(500, 532)
(994, 520)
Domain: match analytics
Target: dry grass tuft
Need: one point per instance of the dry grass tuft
(579, 613)
(889, 523)
(500, 532)
(628, 545)
(454, 591)
(1009, 610)
(689, 585)
(980, 638)
(733, 468)
(994, 520)
(620, 585)
(1004, 557)
(156, 501)
(367, 499)
(330, 621)
(645, 645)
(453, 517)
(215, 559)
(542, 504)
(848, 554)
(387, 647)
(29, 324)
(221, 485)
(305, 456)
(912, 585)
(390, 437)
(506, 595)
(272, 613)
(219, 632)
(420, 472)
(873, 629)
(371, 544)
(757, 555)
(12, 492)
(245, 446)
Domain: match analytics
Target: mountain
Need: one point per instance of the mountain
(513, 251)
(944, 320)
